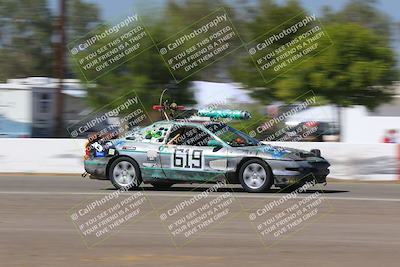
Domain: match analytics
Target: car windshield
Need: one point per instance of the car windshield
(231, 136)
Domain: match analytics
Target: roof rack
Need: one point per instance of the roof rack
(179, 113)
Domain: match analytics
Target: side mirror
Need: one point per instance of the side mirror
(214, 143)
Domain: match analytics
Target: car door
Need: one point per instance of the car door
(144, 146)
(190, 159)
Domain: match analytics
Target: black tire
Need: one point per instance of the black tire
(255, 183)
(162, 185)
(130, 179)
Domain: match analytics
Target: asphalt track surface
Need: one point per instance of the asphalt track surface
(359, 227)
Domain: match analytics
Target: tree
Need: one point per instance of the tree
(182, 14)
(81, 18)
(147, 74)
(362, 12)
(270, 18)
(25, 38)
(358, 70)
(27, 35)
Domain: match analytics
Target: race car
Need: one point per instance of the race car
(201, 150)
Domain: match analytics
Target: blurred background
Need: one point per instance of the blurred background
(355, 81)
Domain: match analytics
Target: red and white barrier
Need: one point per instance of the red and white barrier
(398, 162)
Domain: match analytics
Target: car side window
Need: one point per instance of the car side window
(196, 137)
(175, 134)
(188, 136)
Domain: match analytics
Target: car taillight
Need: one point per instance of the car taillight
(311, 124)
(87, 150)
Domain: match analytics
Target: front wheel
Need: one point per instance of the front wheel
(255, 176)
(125, 173)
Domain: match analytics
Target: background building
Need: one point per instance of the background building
(27, 106)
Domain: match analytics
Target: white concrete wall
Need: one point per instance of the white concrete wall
(39, 155)
(360, 128)
(349, 161)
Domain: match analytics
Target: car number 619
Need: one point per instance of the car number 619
(187, 158)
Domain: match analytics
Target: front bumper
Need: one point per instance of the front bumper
(291, 172)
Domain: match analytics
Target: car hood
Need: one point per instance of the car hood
(277, 152)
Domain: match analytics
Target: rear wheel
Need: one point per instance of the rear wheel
(255, 176)
(124, 172)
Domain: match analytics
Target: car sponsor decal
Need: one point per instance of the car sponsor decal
(150, 165)
(128, 147)
(219, 164)
(276, 153)
(99, 154)
(152, 155)
(119, 143)
(97, 146)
